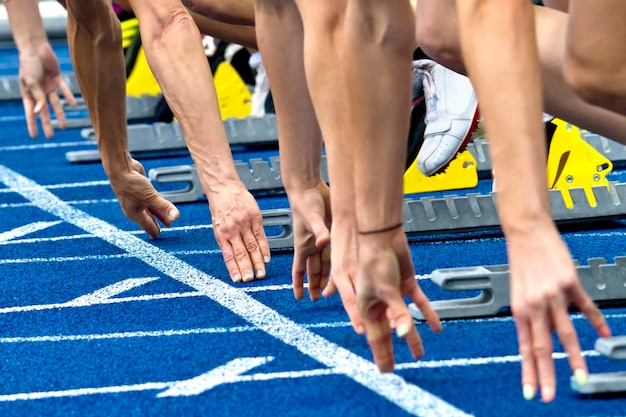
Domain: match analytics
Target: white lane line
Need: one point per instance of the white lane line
(26, 230)
(155, 333)
(103, 294)
(261, 377)
(75, 202)
(119, 300)
(98, 257)
(86, 236)
(218, 376)
(46, 145)
(394, 388)
(66, 185)
(184, 332)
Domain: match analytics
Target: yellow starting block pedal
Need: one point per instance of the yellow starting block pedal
(139, 78)
(235, 99)
(573, 163)
(460, 174)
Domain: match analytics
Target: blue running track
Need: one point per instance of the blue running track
(98, 320)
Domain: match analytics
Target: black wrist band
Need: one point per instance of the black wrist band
(386, 229)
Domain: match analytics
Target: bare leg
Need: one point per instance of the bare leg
(438, 36)
(594, 63)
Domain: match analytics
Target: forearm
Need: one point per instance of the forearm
(498, 43)
(95, 45)
(281, 42)
(26, 24)
(228, 32)
(174, 51)
(379, 123)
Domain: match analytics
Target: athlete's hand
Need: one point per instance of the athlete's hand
(40, 79)
(139, 200)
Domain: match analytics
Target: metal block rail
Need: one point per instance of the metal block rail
(137, 108)
(608, 382)
(155, 137)
(10, 86)
(166, 137)
(256, 174)
(605, 284)
(613, 151)
(475, 212)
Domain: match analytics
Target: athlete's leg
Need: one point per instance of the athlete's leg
(595, 64)
(560, 100)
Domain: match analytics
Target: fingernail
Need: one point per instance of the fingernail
(173, 214)
(237, 278)
(360, 329)
(402, 330)
(529, 392)
(38, 107)
(547, 393)
(247, 277)
(266, 259)
(581, 377)
(260, 273)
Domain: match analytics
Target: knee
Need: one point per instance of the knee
(438, 42)
(157, 22)
(595, 80)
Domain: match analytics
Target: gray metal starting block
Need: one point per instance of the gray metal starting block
(155, 137)
(167, 137)
(609, 382)
(478, 212)
(613, 151)
(283, 219)
(257, 175)
(605, 284)
(10, 86)
(137, 108)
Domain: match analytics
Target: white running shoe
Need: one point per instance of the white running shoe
(451, 115)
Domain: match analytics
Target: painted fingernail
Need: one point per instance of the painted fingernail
(402, 330)
(529, 392)
(547, 393)
(266, 259)
(237, 278)
(581, 377)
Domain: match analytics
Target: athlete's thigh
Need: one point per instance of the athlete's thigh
(596, 30)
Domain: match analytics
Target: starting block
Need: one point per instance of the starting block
(460, 174)
(167, 137)
(573, 163)
(609, 382)
(477, 212)
(283, 219)
(256, 174)
(605, 284)
(10, 86)
(612, 150)
(137, 108)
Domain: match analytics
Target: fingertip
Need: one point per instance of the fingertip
(174, 214)
(604, 331)
(528, 392)
(547, 393)
(403, 330)
(39, 106)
